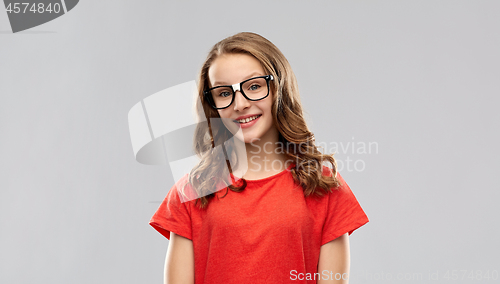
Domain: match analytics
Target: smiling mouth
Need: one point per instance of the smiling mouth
(248, 119)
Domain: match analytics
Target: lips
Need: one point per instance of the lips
(247, 118)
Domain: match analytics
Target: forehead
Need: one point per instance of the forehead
(234, 68)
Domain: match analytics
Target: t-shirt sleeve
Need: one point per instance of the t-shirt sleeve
(173, 216)
(343, 214)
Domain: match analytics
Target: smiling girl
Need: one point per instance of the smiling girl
(287, 217)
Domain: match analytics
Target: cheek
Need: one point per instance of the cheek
(225, 117)
(267, 108)
(224, 113)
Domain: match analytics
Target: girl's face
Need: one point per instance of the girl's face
(229, 69)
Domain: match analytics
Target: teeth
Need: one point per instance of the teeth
(245, 120)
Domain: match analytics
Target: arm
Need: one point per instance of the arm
(335, 258)
(179, 262)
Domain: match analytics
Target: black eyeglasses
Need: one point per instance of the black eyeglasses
(253, 89)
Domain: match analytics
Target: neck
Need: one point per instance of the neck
(264, 157)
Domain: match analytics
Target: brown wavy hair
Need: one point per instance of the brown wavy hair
(288, 118)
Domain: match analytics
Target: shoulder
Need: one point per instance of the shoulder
(341, 191)
(182, 190)
(327, 171)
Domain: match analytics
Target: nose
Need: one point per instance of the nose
(240, 102)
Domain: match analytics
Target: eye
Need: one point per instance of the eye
(254, 87)
(224, 94)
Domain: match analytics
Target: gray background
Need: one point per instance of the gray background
(419, 78)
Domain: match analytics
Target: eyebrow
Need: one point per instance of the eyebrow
(216, 83)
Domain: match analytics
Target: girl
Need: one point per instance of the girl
(287, 220)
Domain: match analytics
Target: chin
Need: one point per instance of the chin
(252, 140)
(251, 137)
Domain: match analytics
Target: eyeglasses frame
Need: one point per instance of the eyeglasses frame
(237, 87)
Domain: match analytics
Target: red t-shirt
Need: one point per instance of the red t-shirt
(269, 233)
